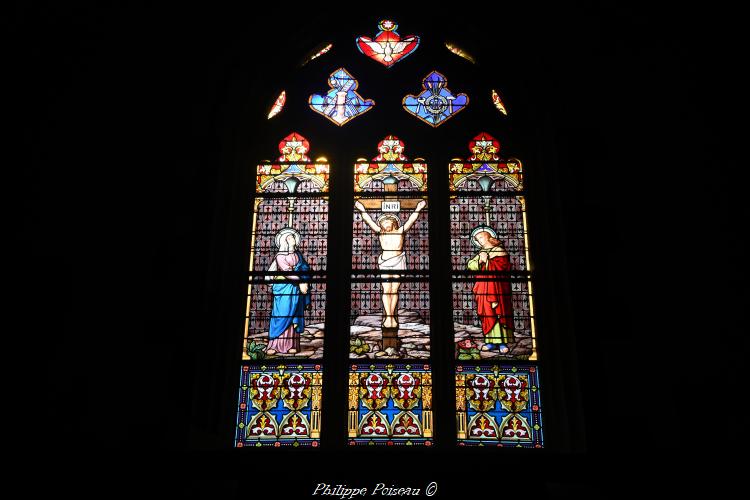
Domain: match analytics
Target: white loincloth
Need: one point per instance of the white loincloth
(395, 263)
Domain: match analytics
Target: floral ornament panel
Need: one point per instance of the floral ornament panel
(390, 170)
(484, 171)
(293, 172)
(294, 148)
(279, 406)
(498, 406)
(387, 47)
(341, 103)
(390, 405)
(436, 103)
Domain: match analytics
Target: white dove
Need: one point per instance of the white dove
(388, 48)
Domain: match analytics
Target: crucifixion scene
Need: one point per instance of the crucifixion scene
(391, 234)
(390, 257)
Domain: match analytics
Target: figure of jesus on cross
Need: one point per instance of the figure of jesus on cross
(393, 257)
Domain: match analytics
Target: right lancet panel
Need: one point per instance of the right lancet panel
(491, 276)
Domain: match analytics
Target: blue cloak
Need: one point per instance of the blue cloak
(289, 303)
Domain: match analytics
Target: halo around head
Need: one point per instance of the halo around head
(480, 229)
(389, 216)
(282, 234)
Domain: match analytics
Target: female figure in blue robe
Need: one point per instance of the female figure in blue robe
(290, 294)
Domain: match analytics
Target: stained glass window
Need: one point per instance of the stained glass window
(436, 103)
(489, 331)
(286, 298)
(491, 280)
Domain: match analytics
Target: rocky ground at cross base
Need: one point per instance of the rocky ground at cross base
(413, 333)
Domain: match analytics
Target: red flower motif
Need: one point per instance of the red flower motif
(466, 344)
(245, 368)
(314, 444)
(390, 443)
(243, 406)
(240, 445)
(317, 367)
(428, 443)
(276, 444)
(532, 370)
(535, 408)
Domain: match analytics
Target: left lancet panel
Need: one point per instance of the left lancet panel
(286, 299)
(279, 406)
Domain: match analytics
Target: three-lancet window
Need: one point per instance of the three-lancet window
(390, 375)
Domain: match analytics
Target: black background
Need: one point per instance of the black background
(131, 121)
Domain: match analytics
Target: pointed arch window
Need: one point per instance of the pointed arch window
(394, 348)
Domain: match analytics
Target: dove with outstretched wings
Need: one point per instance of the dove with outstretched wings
(387, 47)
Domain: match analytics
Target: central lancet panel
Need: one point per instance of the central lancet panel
(390, 404)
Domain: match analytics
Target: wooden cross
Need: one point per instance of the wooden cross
(390, 202)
